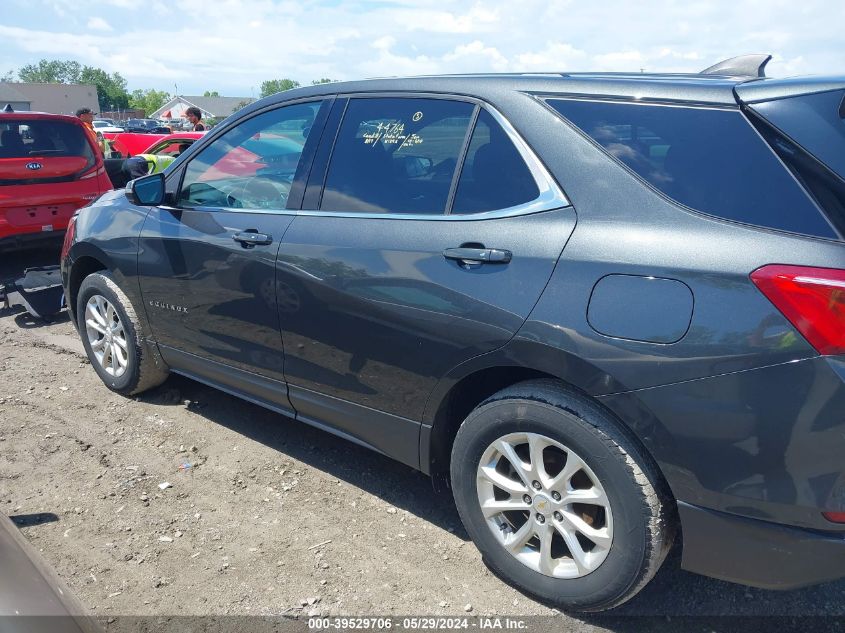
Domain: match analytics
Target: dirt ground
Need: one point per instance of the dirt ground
(262, 515)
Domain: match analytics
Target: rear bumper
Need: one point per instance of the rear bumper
(758, 553)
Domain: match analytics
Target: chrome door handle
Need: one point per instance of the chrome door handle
(479, 255)
(248, 239)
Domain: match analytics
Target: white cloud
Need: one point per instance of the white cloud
(477, 20)
(99, 24)
(556, 56)
(622, 60)
(384, 43)
(475, 57)
(236, 44)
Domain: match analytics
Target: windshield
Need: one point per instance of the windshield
(141, 123)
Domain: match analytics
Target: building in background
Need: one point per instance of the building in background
(8, 95)
(52, 98)
(211, 107)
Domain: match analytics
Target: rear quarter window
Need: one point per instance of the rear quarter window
(493, 176)
(708, 159)
(816, 122)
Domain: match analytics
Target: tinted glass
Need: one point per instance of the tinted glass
(172, 148)
(494, 176)
(253, 165)
(396, 155)
(707, 159)
(816, 122)
(43, 138)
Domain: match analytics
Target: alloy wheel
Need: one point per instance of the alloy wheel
(106, 336)
(544, 505)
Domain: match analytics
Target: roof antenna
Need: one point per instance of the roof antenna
(8, 108)
(742, 66)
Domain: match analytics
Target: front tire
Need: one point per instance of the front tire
(560, 500)
(111, 334)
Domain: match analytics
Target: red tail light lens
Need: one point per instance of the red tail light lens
(835, 517)
(70, 234)
(813, 299)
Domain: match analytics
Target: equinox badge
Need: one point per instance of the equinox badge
(168, 306)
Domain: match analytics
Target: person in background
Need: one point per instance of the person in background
(87, 117)
(194, 115)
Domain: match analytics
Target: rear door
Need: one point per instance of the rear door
(207, 264)
(401, 265)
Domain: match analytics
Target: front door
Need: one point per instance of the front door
(207, 264)
(405, 270)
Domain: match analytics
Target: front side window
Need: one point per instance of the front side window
(396, 155)
(711, 160)
(253, 165)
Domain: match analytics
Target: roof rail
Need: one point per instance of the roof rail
(741, 66)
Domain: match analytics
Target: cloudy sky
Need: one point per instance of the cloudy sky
(233, 45)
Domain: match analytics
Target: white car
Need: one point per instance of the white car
(106, 127)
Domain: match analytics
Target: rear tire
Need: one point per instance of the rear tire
(538, 471)
(112, 336)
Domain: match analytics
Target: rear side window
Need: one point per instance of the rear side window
(396, 155)
(708, 159)
(494, 176)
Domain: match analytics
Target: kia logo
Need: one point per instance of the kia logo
(33, 166)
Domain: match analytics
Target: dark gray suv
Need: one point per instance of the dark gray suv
(604, 309)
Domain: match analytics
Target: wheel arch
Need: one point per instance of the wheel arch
(83, 266)
(453, 407)
(468, 385)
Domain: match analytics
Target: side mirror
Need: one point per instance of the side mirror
(147, 191)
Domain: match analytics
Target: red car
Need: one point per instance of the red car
(50, 166)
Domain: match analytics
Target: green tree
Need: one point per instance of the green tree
(210, 93)
(51, 71)
(272, 86)
(241, 104)
(111, 89)
(9, 76)
(324, 80)
(148, 100)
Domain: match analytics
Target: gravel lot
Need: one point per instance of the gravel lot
(263, 515)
